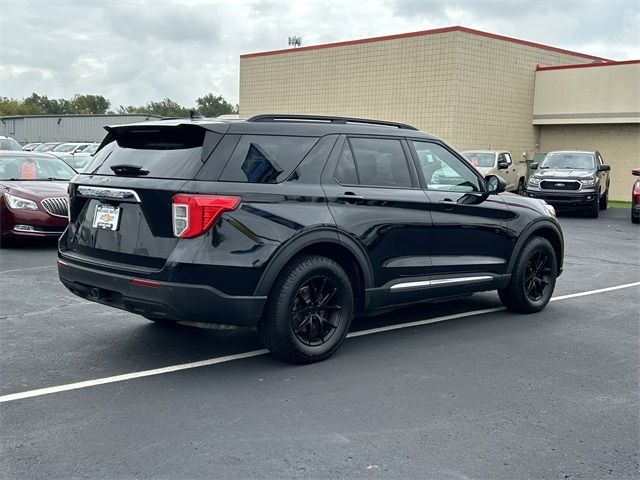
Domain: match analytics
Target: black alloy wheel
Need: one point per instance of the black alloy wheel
(537, 275)
(533, 278)
(315, 315)
(308, 311)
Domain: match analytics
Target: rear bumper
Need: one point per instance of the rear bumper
(164, 300)
(565, 200)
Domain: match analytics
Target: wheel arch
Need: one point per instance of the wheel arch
(545, 229)
(327, 243)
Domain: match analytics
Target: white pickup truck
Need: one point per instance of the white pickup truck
(499, 162)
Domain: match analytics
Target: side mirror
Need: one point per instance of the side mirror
(604, 168)
(494, 184)
(503, 166)
(636, 172)
(533, 166)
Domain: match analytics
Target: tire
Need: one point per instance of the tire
(294, 326)
(524, 294)
(520, 189)
(634, 218)
(604, 200)
(593, 210)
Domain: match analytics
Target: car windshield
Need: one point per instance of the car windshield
(45, 147)
(91, 148)
(569, 160)
(9, 144)
(65, 147)
(34, 167)
(480, 159)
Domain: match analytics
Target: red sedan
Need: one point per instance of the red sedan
(33, 195)
(635, 197)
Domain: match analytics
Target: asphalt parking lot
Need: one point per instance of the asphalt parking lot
(465, 391)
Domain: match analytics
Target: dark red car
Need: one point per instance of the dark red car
(33, 195)
(635, 197)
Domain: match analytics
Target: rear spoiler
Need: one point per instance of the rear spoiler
(113, 131)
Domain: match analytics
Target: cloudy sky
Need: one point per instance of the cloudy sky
(134, 51)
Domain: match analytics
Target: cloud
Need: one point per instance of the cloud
(136, 51)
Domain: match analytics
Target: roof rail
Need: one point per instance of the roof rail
(280, 117)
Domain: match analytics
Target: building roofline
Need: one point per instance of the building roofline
(587, 65)
(12, 117)
(456, 28)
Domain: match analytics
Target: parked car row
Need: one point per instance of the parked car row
(75, 154)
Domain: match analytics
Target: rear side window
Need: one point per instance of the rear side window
(166, 152)
(375, 162)
(266, 158)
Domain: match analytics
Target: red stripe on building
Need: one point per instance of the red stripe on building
(420, 34)
(587, 65)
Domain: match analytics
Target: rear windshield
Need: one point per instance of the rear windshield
(9, 144)
(165, 152)
(480, 159)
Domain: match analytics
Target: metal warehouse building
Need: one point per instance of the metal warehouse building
(64, 128)
(474, 89)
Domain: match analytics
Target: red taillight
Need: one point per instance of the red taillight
(141, 282)
(193, 215)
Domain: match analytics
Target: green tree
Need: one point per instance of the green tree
(95, 104)
(210, 105)
(164, 108)
(11, 106)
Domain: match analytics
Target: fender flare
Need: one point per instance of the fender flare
(526, 234)
(293, 246)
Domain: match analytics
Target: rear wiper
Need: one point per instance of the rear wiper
(125, 169)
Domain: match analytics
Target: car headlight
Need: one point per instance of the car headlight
(549, 208)
(589, 182)
(19, 203)
(534, 182)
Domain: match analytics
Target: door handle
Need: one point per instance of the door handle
(350, 197)
(448, 203)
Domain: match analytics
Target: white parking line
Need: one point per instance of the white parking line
(230, 358)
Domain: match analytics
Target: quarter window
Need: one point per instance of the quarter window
(373, 162)
(266, 158)
(444, 171)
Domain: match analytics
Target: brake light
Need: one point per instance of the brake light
(193, 215)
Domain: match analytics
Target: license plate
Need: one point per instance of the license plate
(106, 217)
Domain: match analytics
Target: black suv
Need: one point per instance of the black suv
(294, 224)
(570, 180)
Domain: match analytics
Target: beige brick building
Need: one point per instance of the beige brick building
(474, 89)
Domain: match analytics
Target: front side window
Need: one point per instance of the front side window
(444, 171)
(507, 158)
(376, 162)
(266, 158)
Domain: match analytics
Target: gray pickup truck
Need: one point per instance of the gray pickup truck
(499, 162)
(572, 180)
